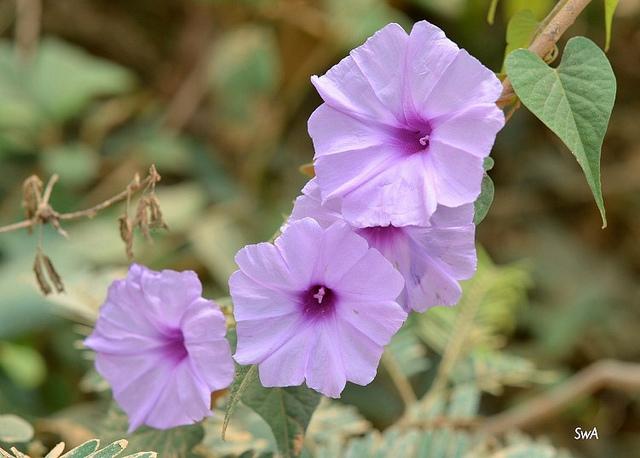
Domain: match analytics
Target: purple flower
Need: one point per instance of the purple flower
(406, 123)
(162, 347)
(318, 305)
(432, 259)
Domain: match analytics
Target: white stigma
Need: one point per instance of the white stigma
(319, 295)
(424, 141)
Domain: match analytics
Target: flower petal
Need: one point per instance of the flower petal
(252, 300)
(379, 320)
(325, 370)
(456, 174)
(464, 83)
(286, 365)
(473, 130)
(402, 194)
(257, 339)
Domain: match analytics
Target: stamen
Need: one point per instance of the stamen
(319, 295)
(424, 141)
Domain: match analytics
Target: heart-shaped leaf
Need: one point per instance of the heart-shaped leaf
(287, 411)
(574, 100)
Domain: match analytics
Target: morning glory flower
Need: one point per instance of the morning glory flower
(161, 347)
(405, 125)
(318, 305)
(432, 259)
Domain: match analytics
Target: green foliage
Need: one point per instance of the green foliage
(14, 429)
(76, 164)
(357, 20)
(609, 9)
(244, 65)
(484, 201)
(491, 14)
(574, 100)
(286, 410)
(520, 31)
(56, 85)
(22, 364)
(89, 449)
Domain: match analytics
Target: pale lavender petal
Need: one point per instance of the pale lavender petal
(464, 83)
(184, 400)
(379, 320)
(257, 339)
(402, 194)
(168, 293)
(204, 329)
(139, 381)
(333, 132)
(309, 205)
(453, 216)
(253, 300)
(372, 276)
(429, 284)
(456, 174)
(264, 264)
(287, 364)
(473, 130)
(454, 246)
(339, 174)
(301, 264)
(428, 57)
(326, 371)
(342, 251)
(361, 353)
(382, 60)
(346, 88)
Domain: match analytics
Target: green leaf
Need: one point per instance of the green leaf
(491, 14)
(83, 450)
(24, 365)
(241, 381)
(484, 201)
(110, 451)
(76, 164)
(609, 8)
(520, 30)
(574, 100)
(172, 443)
(65, 78)
(14, 429)
(286, 410)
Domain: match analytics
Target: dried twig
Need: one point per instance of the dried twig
(602, 374)
(43, 213)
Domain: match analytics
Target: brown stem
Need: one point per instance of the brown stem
(602, 374)
(552, 28)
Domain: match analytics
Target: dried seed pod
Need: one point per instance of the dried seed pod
(41, 279)
(157, 221)
(54, 277)
(31, 192)
(126, 234)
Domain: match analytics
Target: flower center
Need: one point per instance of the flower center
(412, 141)
(318, 301)
(174, 348)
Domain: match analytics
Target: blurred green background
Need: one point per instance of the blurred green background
(216, 94)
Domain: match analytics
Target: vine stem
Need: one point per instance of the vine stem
(561, 17)
(612, 374)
